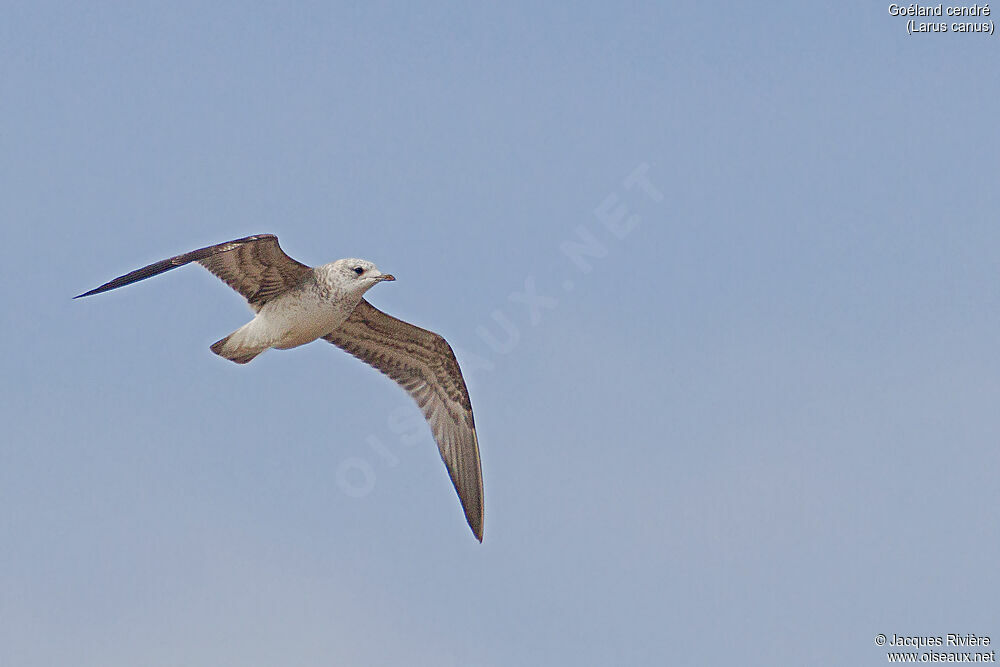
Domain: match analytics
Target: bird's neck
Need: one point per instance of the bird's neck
(331, 288)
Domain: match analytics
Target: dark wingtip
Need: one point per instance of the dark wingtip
(477, 528)
(96, 290)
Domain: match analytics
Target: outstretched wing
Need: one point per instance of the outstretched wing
(423, 364)
(254, 266)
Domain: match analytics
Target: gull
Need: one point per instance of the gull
(295, 304)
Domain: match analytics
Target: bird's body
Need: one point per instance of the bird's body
(295, 304)
(313, 308)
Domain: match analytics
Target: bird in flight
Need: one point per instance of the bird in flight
(295, 304)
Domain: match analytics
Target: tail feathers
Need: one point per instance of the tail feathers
(231, 348)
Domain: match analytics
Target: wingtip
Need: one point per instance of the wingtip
(477, 529)
(96, 290)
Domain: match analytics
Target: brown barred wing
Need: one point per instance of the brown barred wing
(424, 364)
(254, 266)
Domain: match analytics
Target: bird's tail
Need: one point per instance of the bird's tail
(236, 347)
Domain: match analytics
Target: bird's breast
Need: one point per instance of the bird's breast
(302, 318)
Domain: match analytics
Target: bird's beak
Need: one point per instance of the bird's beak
(386, 276)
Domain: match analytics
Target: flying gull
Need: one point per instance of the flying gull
(295, 304)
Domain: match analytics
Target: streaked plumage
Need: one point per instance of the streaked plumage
(296, 304)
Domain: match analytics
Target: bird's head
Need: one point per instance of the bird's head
(354, 275)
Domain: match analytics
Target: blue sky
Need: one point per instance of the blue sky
(755, 425)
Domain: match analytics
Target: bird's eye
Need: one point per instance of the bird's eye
(358, 270)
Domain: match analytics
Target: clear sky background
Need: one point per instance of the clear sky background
(756, 426)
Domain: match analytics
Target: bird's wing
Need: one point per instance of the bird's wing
(423, 364)
(254, 266)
